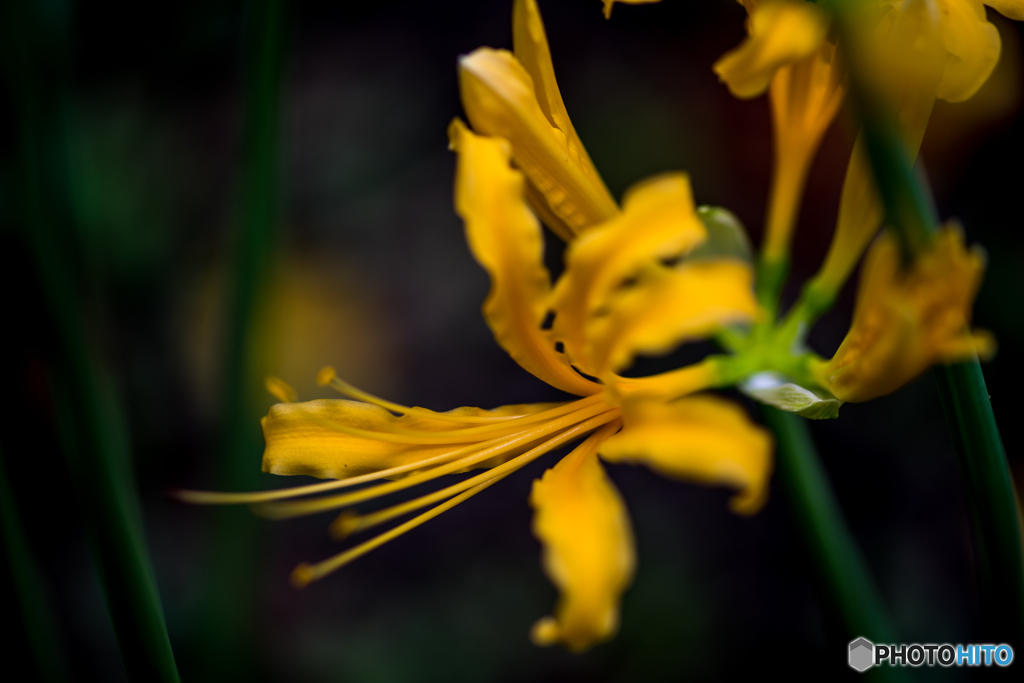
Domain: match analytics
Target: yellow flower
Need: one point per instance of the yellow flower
(787, 54)
(633, 284)
(907, 320)
(515, 97)
(911, 53)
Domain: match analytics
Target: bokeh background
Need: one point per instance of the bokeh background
(368, 271)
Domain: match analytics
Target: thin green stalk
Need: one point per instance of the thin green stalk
(837, 560)
(993, 502)
(228, 617)
(97, 454)
(40, 629)
(988, 488)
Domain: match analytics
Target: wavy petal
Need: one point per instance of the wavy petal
(782, 32)
(1011, 9)
(973, 45)
(301, 439)
(906, 321)
(530, 45)
(500, 100)
(658, 222)
(699, 438)
(505, 238)
(588, 548)
(690, 302)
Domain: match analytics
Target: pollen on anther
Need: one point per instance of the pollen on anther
(303, 575)
(344, 524)
(280, 389)
(326, 376)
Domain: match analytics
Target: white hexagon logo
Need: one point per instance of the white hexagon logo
(862, 654)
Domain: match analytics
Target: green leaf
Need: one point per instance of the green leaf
(773, 389)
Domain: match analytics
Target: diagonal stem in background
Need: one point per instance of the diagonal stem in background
(988, 487)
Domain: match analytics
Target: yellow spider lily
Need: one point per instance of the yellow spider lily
(907, 320)
(633, 284)
(787, 54)
(912, 52)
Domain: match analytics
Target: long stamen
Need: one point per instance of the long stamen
(349, 522)
(253, 497)
(306, 573)
(467, 435)
(306, 507)
(328, 377)
(506, 422)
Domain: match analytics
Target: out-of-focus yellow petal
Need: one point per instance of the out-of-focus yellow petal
(905, 321)
(658, 222)
(608, 4)
(300, 437)
(1011, 9)
(588, 548)
(506, 239)
(805, 97)
(973, 46)
(689, 302)
(499, 97)
(781, 32)
(703, 438)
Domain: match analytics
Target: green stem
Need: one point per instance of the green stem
(40, 629)
(837, 559)
(994, 507)
(95, 443)
(228, 619)
(994, 512)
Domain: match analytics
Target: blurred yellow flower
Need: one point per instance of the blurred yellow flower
(788, 54)
(907, 319)
(912, 52)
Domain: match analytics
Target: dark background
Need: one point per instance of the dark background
(371, 274)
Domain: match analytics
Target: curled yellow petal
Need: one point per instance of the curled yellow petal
(782, 32)
(588, 548)
(805, 97)
(905, 321)
(530, 45)
(608, 4)
(500, 100)
(1011, 9)
(973, 46)
(505, 238)
(659, 221)
(702, 438)
(692, 301)
(304, 438)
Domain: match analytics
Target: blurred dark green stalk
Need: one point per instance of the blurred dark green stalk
(988, 487)
(94, 439)
(838, 562)
(40, 629)
(227, 618)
